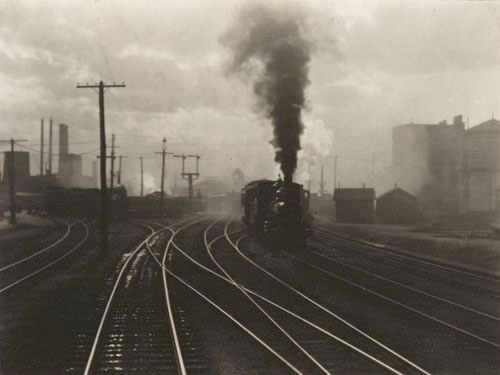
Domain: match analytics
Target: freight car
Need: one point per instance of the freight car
(277, 213)
(82, 203)
(29, 202)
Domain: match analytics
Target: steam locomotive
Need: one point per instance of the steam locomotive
(277, 212)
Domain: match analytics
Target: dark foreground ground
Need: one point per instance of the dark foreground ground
(38, 316)
(47, 323)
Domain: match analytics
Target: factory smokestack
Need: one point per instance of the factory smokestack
(63, 145)
(63, 139)
(268, 44)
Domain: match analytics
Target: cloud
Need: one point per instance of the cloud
(374, 65)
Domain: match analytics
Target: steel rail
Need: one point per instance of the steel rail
(414, 258)
(208, 247)
(416, 266)
(93, 350)
(298, 317)
(179, 358)
(173, 329)
(329, 312)
(216, 306)
(64, 236)
(393, 301)
(402, 285)
(411, 263)
(30, 275)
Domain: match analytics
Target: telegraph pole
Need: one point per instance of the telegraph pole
(335, 173)
(119, 177)
(112, 173)
(41, 148)
(12, 178)
(163, 154)
(322, 183)
(50, 147)
(102, 135)
(142, 177)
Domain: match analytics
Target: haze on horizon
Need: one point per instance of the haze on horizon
(374, 65)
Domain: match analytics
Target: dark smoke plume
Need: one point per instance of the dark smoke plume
(269, 45)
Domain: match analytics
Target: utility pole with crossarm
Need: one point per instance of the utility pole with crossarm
(102, 135)
(163, 153)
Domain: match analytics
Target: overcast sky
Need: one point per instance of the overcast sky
(375, 64)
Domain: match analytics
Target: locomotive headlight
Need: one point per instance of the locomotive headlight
(276, 206)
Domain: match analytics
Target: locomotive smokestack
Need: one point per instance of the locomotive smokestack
(269, 44)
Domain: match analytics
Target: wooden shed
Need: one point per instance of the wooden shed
(397, 206)
(355, 205)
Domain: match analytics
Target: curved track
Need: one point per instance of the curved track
(297, 325)
(30, 266)
(211, 302)
(471, 330)
(410, 262)
(476, 322)
(135, 334)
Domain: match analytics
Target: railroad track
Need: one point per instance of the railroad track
(469, 318)
(222, 297)
(27, 268)
(140, 326)
(469, 330)
(311, 351)
(413, 263)
(340, 339)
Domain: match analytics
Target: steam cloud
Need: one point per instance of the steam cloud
(269, 46)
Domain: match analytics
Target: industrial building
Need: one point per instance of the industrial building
(355, 205)
(397, 206)
(69, 175)
(70, 170)
(452, 171)
(322, 204)
(70, 165)
(480, 172)
(426, 161)
(21, 167)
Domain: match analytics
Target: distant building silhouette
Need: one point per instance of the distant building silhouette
(355, 205)
(480, 170)
(426, 162)
(21, 166)
(397, 206)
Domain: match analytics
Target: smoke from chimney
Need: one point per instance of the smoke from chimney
(268, 45)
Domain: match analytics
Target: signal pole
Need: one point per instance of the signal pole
(12, 178)
(102, 135)
(163, 154)
(142, 177)
(189, 176)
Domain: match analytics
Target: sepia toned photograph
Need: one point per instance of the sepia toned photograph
(254, 187)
